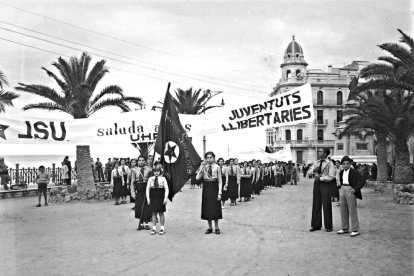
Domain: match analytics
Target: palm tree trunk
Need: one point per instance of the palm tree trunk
(382, 173)
(403, 171)
(84, 168)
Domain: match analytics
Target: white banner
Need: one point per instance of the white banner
(284, 154)
(289, 108)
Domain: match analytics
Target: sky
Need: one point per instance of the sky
(231, 46)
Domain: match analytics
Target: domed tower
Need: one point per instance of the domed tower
(294, 64)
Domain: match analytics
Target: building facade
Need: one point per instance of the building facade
(330, 91)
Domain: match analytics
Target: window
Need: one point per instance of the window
(362, 146)
(297, 55)
(319, 116)
(320, 134)
(288, 135)
(339, 98)
(298, 73)
(288, 56)
(299, 135)
(339, 116)
(340, 146)
(319, 97)
(288, 74)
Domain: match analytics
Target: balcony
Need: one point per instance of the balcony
(321, 122)
(329, 103)
(304, 143)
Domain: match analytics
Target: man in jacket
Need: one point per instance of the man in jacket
(350, 190)
(324, 171)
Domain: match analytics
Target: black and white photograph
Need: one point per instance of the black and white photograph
(201, 137)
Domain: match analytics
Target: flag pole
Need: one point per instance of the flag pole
(145, 197)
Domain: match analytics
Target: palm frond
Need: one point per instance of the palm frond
(43, 91)
(109, 90)
(45, 106)
(3, 80)
(6, 99)
(109, 103)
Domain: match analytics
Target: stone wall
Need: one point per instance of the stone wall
(84, 168)
(402, 194)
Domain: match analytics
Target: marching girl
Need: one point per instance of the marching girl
(271, 175)
(133, 184)
(140, 179)
(245, 182)
(117, 181)
(259, 185)
(125, 171)
(157, 197)
(233, 182)
(278, 174)
(211, 195)
(266, 176)
(223, 170)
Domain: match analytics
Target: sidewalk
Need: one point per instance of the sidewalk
(267, 236)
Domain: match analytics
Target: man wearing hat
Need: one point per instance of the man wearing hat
(350, 190)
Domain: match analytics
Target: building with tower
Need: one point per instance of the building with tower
(330, 91)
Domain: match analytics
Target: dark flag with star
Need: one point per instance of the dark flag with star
(179, 159)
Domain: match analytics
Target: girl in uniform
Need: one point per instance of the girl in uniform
(142, 209)
(271, 169)
(279, 174)
(266, 176)
(125, 171)
(245, 182)
(157, 197)
(117, 181)
(223, 170)
(211, 195)
(233, 182)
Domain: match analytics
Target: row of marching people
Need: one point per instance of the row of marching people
(232, 181)
(246, 179)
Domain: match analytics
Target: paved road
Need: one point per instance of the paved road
(267, 236)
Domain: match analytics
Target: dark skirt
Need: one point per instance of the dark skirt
(257, 187)
(210, 206)
(233, 188)
(245, 184)
(266, 180)
(157, 196)
(273, 181)
(141, 205)
(279, 178)
(118, 189)
(125, 187)
(224, 193)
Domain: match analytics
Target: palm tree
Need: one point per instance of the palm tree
(361, 119)
(77, 98)
(193, 102)
(77, 89)
(394, 116)
(6, 97)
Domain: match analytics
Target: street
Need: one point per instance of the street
(266, 236)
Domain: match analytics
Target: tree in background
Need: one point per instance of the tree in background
(6, 97)
(392, 116)
(77, 95)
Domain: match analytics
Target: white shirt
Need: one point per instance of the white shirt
(345, 177)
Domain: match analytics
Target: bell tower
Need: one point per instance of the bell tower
(294, 64)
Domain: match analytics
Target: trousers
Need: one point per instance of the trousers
(321, 200)
(348, 208)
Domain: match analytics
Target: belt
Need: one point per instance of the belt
(211, 180)
(346, 185)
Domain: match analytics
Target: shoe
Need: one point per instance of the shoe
(240, 200)
(338, 204)
(354, 234)
(161, 232)
(342, 231)
(153, 232)
(217, 231)
(314, 229)
(328, 230)
(208, 231)
(123, 202)
(222, 207)
(133, 208)
(46, 204)
(38, 205)
(140, 227)
(146, 227)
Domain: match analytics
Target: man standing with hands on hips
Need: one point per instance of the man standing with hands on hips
(324, 171)
(350, 190)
